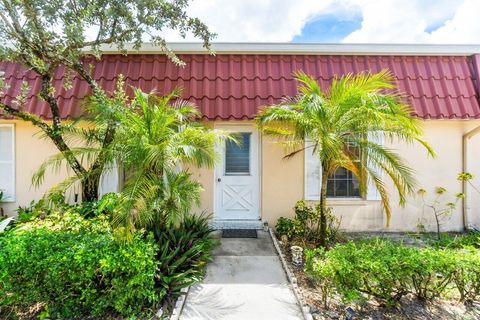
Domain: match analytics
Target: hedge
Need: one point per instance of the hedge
(388, 271)
(76, 267)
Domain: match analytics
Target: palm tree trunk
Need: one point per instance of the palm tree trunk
(323, 208)
(90, 187)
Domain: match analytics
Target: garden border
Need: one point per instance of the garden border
(291, 279)
(179, 304)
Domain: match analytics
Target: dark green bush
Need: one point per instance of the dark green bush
(184, 252)
(388, 271)
(305, 226)
(75, 267)
(285, 226)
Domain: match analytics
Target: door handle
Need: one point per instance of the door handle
(219, 179)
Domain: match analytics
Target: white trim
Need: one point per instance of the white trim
(303, 48)
(346, 199)
(372, 192)
(13, 198)
(308, 157)
(110, 180)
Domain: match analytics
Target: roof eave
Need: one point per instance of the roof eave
(303, 48)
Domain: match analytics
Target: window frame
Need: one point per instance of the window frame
(13, 197)
(239, 174)
(371, 194)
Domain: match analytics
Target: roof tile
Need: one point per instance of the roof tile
(233, 86)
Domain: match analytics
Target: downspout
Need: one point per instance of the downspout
(467, 136)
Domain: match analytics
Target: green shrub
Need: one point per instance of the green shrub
(286, 226)
(470, 240)
(388, 271)
(323, 276)
(467, 275)
(431, 271)
(305, 226)
(376, 269)
(75, 267)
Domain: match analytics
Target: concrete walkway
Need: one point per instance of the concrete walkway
(245, 281)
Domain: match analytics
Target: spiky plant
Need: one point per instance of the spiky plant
(356, 111)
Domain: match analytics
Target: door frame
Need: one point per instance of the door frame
(235, 126)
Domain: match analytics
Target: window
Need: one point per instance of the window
(343, 184)
(7, 161)
(237, 155)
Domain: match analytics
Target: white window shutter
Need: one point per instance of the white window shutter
(313, 176)
(7, 161)
(109, 180)
(372, 192)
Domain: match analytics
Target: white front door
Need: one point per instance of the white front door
(237, 176)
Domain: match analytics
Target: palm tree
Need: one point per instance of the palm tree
(356, 111)
(155, 136)
(155, 139)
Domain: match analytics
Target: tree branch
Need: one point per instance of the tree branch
(52, 133)
(26, 116)
(78, 67)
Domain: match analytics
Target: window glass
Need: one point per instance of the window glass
(237, 155)
(343, 184)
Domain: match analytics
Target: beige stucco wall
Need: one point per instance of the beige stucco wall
(446, 139)
(282, 181)
(31, 150)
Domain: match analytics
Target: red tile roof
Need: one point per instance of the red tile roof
(234, 86)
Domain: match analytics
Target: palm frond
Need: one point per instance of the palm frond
(356, 109)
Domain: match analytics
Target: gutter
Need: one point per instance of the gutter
(467, 136)
(300, 48)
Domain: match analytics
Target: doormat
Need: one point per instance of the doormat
(239, 233)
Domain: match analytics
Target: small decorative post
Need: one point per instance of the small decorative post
(265, 226)
(297, 256)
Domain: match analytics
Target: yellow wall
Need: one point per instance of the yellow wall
(282, 181)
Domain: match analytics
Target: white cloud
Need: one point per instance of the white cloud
(254, 20)
(464, 27)
(401, 21)
(408, 21)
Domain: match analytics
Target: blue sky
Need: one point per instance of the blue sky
(328, 28)
(342, 21)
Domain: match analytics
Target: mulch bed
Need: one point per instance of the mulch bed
(410, 307)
